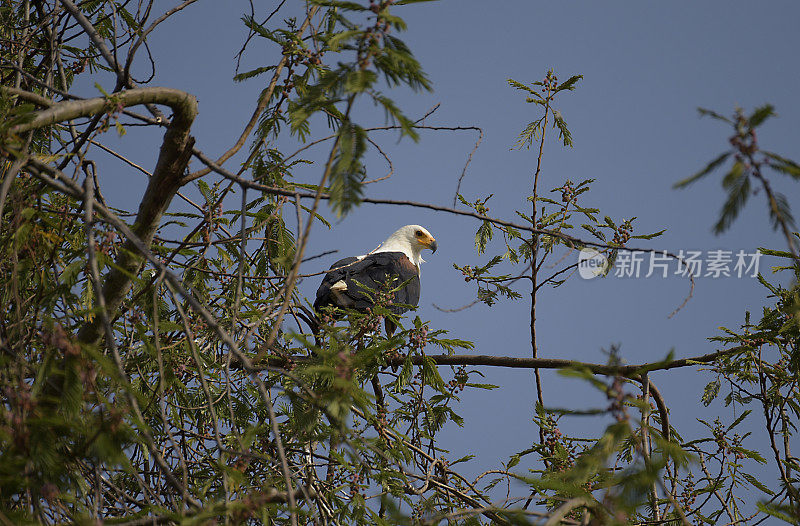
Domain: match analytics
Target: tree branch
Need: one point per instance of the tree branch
(175, 152)
(628, 371)
(182, 104)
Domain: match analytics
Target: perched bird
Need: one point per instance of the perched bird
(355, 282)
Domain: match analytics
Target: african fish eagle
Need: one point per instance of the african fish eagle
(354, 282)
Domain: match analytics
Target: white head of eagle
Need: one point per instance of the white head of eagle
(354, 282)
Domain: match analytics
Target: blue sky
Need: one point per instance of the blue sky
(647, 67)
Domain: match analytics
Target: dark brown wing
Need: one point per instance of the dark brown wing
(365, 278)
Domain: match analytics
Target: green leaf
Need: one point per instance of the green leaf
(483, 236)
(780, 212)
(710, 167)
(776, 253)
(755, 455)
(596, 233)
(523, 87)
(252, 73)
(782, 512)
(431, 375)
(739, 420)
(710, 392)
(714, 115)
(529, 134)
(359, 80)
(755, 482)
(649, 236)
(569, 84)
(760, 115)
(347, 172)
(563, 133)
(70, 273)
(205, 189)
(129, 19)
(260, 30)
(337, 41)
(783, 165)
(394, 113)
(101, 90)
(482, 386)
(738, 185)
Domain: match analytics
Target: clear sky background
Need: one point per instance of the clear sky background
(647, 67)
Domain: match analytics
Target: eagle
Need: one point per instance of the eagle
(355, 282)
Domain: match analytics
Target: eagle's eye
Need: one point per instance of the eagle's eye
(419, 233)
